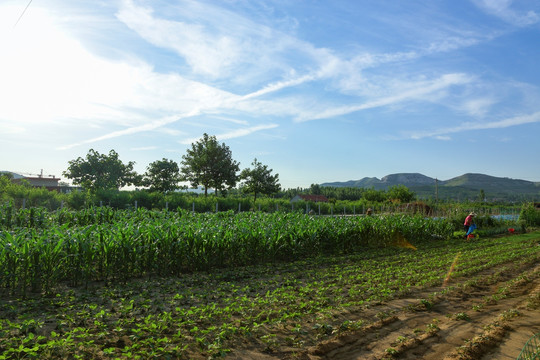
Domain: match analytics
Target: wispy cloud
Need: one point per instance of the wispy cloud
(221, 47)
(235, 133)
(279, 85)
(469, 126)
(508, 12)
(478, 107)
(205, 54)
(412, 92)
(133, 130)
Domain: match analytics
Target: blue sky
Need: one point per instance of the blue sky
(319, 91)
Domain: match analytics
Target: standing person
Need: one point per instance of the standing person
(469, 220)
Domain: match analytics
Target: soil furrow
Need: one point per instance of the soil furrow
(482, 321)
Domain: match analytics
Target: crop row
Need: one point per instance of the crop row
(129, 244)
(204, 314)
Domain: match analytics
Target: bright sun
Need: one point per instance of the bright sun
(47, 75)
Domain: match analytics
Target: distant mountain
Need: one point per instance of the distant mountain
(491, 183)
(407, 179)
(366, 182)
(467, 186)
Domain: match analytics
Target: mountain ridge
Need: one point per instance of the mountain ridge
(464, 186)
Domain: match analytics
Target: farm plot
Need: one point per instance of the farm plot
(102, 284)
(448, 298)
(40, 250)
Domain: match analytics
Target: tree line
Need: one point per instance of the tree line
(207, 163)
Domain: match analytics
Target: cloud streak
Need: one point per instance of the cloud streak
(506, 11)
(414, 92)
(133, 130)
(234, 134)
(469, 126)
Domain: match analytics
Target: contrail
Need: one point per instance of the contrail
(20, 17)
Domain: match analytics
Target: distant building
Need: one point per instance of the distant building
(314, 198)
(49, 182)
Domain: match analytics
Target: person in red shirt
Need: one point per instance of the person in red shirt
(469, 220)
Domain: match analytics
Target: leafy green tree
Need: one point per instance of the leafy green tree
(162, 176)
(210, 164)
(259, 180)
(401, 193)
(6, 175)
(374, 195)
(315, 189)
(101, 172)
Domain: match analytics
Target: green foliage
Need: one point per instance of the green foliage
(204, 314)
(162, 176)
(19, 192)
(374, 195)
(259, 180)
(101, 172)
(102, 243)
(530, 215)
(210, 164)
(400, 193)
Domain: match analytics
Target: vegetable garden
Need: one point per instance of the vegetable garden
(104, 283)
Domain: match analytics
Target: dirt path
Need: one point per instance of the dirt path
(490, 319)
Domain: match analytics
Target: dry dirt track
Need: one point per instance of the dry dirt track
(491, 317)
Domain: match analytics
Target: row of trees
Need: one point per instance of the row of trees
(207, 163)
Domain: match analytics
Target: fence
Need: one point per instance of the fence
(338, 208)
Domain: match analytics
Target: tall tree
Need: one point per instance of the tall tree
(101, 172)
(162, 176)
(401, 193)
(210, 164)
(259, 180)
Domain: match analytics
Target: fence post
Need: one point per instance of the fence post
(135, 204)
(193, 206)
(166, 205)
(239, 207)
(307, 210)
(62, 204)
(100, 203)
(332, 210)
(217, 206)
(259, 207)
(319, 208)
(24, 203)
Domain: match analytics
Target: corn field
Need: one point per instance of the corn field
(41, 249)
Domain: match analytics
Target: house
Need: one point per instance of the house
(49, 182)
(313, 198)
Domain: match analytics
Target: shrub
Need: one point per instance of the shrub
(530, 215)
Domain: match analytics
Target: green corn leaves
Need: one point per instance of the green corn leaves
(101, 244)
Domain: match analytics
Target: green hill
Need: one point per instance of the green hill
(465, 187)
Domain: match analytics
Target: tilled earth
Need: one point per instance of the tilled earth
(488, 317)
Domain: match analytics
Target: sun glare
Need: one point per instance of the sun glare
(49, 76)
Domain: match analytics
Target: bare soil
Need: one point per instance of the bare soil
(489, 317)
